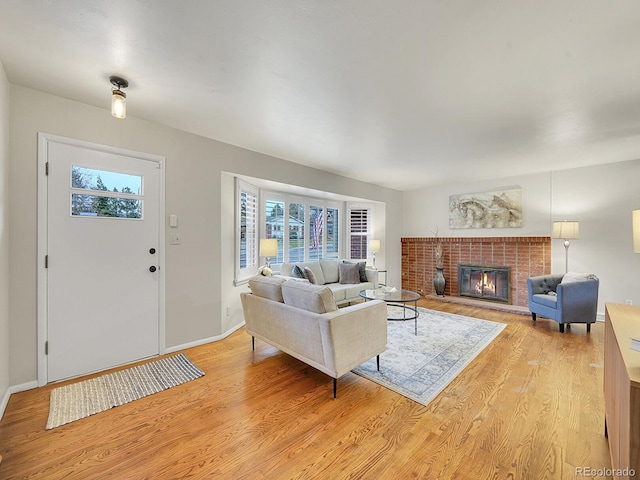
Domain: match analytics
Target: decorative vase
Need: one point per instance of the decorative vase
(439, 282)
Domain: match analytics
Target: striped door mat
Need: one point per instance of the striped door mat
(81, 399)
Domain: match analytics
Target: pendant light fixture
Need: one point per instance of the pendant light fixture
(118, 97)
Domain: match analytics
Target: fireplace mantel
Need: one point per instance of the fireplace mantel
(527, 257)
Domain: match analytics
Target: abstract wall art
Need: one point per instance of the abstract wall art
(495, 209)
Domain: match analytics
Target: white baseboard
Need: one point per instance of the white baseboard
(24, 387)
(4, 401)
(15, 389)
(203, 341)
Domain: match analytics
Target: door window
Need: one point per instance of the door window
(121, 194)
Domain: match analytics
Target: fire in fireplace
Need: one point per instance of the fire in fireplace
(484, 281)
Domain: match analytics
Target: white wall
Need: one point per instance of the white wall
(601, 198)
(4, 239)
(199, 272)
(426, 208)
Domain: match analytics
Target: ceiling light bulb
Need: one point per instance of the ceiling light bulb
(118, 104)
(118, 97)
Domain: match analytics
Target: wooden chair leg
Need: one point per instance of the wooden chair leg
(253, 343)
(561, 326)
(533, 316)
(588, 327)
(335, 388)
(378, 362)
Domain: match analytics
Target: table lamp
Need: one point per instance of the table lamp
(374, 246)
(268, 249)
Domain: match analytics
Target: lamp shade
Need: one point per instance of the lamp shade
(636, 231)
(567, 230)
(374, 245)
(268, 247)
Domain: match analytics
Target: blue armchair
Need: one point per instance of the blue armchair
(569, 298)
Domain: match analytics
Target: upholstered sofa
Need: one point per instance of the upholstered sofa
(565, 298)
(303, 320)
(328, 272)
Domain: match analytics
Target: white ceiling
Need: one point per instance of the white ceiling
(400, 93)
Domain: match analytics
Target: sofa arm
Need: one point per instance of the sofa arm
(353, 335)
(578, 301)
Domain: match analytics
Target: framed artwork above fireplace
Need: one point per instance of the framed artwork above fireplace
(495, 209)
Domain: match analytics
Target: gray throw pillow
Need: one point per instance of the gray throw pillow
(310, 275)
(349, 273)
(297, 272)
(362, 270)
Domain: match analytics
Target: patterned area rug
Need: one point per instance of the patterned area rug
(79, 400)
(419, 367)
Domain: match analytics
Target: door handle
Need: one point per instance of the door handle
(152, 268)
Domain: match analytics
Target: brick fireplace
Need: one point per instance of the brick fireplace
(525, 257)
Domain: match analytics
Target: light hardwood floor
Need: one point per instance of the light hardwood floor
(530, 406)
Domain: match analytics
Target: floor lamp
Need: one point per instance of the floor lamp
(567, 230)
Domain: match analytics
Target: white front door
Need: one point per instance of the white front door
(102, 274)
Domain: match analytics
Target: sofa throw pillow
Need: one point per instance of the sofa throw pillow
(577, 277)
(362, 269)
(349, 273)
(330, 270)
(310, 275)
(298, 272)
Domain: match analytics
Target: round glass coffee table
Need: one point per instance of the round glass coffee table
(397, 298)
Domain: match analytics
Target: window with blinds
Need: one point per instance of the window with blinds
(306, 228)
(247, 221)
(359, 232)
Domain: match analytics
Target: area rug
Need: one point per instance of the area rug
(79, 400)
(420, 367)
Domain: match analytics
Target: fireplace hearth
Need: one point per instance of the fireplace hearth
(486, 282)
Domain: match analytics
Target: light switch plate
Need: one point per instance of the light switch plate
(174, 238)
(173, 221)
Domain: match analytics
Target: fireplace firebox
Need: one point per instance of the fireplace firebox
(484, 281)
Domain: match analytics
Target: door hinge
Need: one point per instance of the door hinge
(46, 168)
(46, 261)
(46, 347)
